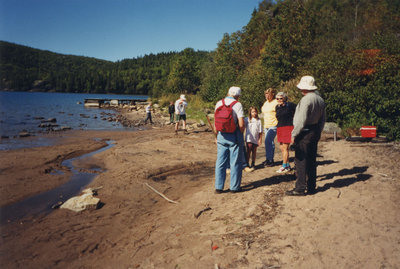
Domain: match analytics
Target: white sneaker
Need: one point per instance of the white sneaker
(248, 169)
(283, 170)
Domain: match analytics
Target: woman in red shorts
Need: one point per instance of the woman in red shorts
(284, 113)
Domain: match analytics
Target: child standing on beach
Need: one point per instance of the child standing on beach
(253, 135)
(171, 110)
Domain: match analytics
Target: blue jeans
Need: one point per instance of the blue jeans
(230, 152)
(241, 143)
(270, 134)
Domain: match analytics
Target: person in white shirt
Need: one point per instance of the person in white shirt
(253, 135)
(180, 111)
(148, 114)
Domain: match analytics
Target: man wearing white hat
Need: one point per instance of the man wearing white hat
(230, 145)
(308, 121)
(180, 111)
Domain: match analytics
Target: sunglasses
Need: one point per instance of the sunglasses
(279, 98)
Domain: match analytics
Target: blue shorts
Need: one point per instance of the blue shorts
(180, 117)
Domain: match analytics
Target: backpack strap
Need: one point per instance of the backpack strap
(231, 105)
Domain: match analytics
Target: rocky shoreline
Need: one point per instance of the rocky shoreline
(129, 116)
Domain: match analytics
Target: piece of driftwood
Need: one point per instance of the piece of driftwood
(159, 193)
(197, 215)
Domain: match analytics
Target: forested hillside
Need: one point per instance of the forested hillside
(23, 69)
(351, 47)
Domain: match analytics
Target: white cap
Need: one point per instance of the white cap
(183, 97)
(234, 91)
(307, 83)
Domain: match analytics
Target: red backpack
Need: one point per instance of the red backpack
(224, 121)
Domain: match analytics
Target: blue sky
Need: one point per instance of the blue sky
(119, 29)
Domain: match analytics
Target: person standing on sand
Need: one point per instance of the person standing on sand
(270, 122)
(148, 114)
(230, 146)
(171, 111)
(308, 121)
(180, 111)
(253, 136)
(284, 113)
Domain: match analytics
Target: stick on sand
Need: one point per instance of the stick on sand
(162, 195)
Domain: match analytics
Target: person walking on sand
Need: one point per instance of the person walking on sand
(148, 114)
(253, 136)
(284, 113)
(171, 111)
(270, 122)
(308, 121)
(230, 144)
(180, 111)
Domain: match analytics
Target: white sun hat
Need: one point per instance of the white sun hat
(183, 97)
(234, 91)
(307, 83)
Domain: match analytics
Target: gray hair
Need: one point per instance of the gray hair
(282, 94)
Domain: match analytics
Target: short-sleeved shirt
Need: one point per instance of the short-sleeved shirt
(253, 130)
(180, 108)
(237, 108)
(148, 109)
(268, 109)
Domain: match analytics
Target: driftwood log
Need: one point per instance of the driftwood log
(159, 193)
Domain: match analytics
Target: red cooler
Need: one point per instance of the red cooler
(368, 131)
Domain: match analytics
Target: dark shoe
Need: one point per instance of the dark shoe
(268, 163)
(218, 191)
(295, 193)
(311, 192)
(235, 191)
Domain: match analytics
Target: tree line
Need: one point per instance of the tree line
(25, 69)
(351, 47)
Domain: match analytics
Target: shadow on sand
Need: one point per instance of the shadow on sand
(356, 174)
(268, 181)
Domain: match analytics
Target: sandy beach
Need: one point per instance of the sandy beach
(351, 222)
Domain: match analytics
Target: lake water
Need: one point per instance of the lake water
(21, 111)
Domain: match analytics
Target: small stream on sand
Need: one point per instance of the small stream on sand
(41, 204)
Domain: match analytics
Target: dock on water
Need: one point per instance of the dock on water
(103, 102)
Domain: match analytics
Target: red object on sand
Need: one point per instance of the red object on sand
(368, 131)
(214, 247)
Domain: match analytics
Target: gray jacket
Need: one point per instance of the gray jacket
(310, 111)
